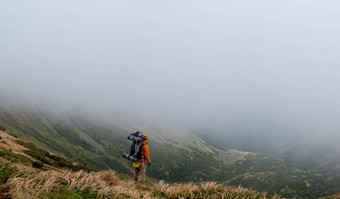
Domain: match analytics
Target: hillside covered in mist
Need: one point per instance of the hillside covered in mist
(302, 169)
(236, 92)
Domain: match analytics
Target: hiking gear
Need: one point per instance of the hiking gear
(137, 137)
(129, 157)
(138, 148)
(137, 144)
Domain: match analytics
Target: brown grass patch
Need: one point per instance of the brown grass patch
(11, 144)
(107, 185)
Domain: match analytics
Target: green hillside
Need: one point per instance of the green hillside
(177, 154)
(27, 171)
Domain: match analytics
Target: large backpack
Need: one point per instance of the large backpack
(136, 150)
(136, 147)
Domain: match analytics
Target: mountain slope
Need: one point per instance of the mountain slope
(99, 140)
(21, 180)
(178, 155)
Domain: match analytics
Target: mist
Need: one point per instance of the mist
(239, 68)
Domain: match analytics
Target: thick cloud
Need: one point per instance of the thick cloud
(209, 65)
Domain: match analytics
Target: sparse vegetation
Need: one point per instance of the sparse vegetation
(37, 164)
(2, 128)
(44, 157)
(6, 170)
(82, 166)
(105, 184)
(14, 157)
(206, 190)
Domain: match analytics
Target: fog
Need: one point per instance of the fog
(216, 67)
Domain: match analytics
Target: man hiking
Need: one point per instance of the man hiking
(140, 166)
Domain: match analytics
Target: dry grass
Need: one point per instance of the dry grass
(335, 196)
(106, 185)
(210, 190)
(31, 185)
(8, 142)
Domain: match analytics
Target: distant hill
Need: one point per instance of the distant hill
(313, 152)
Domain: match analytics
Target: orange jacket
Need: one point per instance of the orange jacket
(145, 150)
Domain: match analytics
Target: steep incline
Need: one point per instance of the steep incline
(22, 177)
(99, 141)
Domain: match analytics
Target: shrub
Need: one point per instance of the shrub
(82, 166)
(6, 170)
(35, 152)
(37, 164)
(64, 163)
(2, 128)
(60, 161)
(53, 157)
(38, 155)
(13, 157)
(44, 156)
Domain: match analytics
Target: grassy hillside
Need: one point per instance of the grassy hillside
(27, 171)
(59, 136)
(105, 184)
(177, 154)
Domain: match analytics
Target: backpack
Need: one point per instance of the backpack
(136, 150)
(136, 147)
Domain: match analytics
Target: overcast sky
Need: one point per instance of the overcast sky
(196, 62)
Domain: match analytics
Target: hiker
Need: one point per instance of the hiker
(140, 166)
